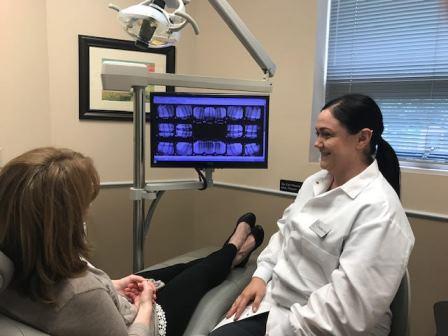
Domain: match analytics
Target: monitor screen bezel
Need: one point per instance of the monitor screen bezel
(206, 164)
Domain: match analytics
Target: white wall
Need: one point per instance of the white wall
(25, 120)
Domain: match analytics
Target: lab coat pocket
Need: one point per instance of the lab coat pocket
(315, 264)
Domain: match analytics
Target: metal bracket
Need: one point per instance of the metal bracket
(209, 177)
(139, 194)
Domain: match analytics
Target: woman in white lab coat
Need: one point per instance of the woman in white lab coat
(342, 247)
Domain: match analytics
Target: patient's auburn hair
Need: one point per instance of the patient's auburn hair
(44, 197)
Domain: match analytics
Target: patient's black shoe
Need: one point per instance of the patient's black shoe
(249, 218)
(258, 233)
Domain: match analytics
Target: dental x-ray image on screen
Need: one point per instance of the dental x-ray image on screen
(209, 130)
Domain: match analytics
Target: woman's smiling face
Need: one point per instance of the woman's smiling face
(337, 147)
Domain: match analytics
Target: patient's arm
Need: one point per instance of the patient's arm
(144, 303)
(93, 313)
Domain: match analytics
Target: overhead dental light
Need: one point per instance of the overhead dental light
(157, 23)
(152, 25)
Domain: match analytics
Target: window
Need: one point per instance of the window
(395, 51)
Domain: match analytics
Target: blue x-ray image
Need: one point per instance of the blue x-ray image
(235, 112)
(209, 147)
(209, 113)
(184, 148)
(234, 131)
(184, 130)
(165, 148)
(220, 113)
(165, 111)
(251, 149)
(198, 113)
(253, 113)
(184, 111)
(251, 131)
(234, 149)
(166, 130)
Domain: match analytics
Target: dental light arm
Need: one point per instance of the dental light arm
(152, 25)
(242, 32)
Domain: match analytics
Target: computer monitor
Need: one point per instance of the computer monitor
(209, 130)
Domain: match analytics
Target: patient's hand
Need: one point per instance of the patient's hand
(144, 303)
(253, 293)
(146, 293)
(129, 286)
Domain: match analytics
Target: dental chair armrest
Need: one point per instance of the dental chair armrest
(9, 326)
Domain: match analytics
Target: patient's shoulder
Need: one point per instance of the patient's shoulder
(93, 280)
(68, 293)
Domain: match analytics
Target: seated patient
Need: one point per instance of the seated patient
(44, 199)
(342, 248)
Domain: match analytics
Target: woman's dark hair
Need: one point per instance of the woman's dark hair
(44, 197)
(357, 111)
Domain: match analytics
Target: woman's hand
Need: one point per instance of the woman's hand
(129, 286)
(144, 302)
(146, 295)
(254, 292)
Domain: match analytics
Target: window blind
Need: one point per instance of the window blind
(395, 51)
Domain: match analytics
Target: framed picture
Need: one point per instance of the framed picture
(99, 104)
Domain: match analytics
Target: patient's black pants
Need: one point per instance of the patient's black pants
(186, 284)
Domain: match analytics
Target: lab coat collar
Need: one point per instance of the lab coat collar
(356, 184)
(322, 182)
(353, 186)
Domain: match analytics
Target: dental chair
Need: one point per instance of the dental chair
(401, 308)
(208, 313)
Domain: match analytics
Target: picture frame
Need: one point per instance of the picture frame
(98, 104)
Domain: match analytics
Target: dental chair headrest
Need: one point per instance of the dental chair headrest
(6, 271)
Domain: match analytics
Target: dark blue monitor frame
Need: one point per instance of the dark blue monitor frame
(201, 130)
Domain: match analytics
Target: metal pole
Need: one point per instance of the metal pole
(139, 176)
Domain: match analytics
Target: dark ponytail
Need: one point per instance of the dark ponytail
(355, 112)
(388, 164)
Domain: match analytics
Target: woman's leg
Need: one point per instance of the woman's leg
(167, 273)
(182, 293)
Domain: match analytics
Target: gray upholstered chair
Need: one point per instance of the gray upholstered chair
(8, 326)
(209, 312)
(400, 307)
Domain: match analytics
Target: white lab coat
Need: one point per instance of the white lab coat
(338, 258)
